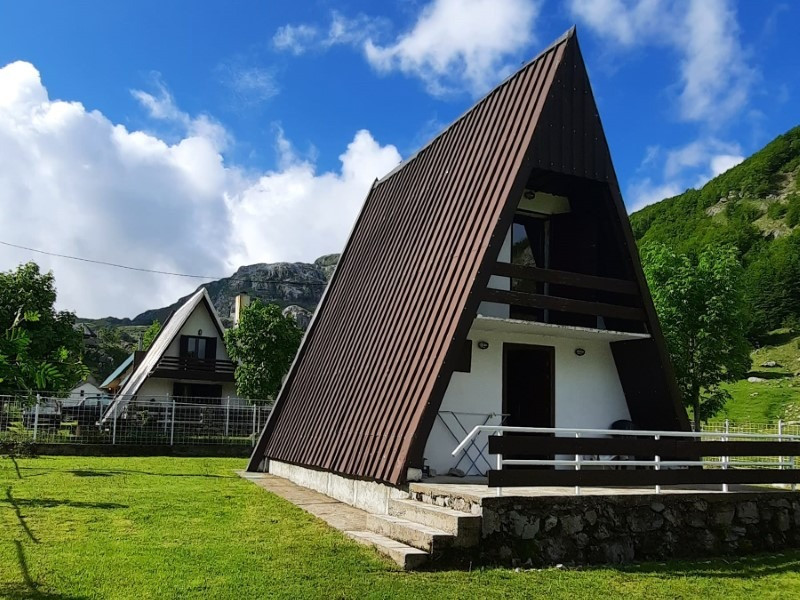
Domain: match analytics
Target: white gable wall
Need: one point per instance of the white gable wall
(160, 388)
(198, 320)
(588, 393)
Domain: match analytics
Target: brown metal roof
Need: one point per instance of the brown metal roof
(362, 394)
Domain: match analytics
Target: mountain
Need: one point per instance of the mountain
(286, 284)
(754, 206)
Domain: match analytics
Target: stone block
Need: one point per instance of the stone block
(724, 516)
(571, 524)
(747, 512)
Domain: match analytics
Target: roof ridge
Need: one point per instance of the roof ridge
(564, 37)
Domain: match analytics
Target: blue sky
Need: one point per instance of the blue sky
(140, 131)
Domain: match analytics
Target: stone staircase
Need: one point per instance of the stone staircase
(414, 532)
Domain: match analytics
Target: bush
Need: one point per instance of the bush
(776, 210)
(13, 445)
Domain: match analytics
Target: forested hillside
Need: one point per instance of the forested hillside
(754, 206)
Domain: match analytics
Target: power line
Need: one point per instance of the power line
(157, 272)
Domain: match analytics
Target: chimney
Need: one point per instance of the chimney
(239, 303)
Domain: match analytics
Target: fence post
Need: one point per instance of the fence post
(657, 460)
(725, 458)
(36, 417)
(254, 425)
(780, 439)
(227, 415)
(114, 430)
(577, 466)
(499, 470)
(172, 424)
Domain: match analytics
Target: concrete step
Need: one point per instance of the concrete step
(408, 532)
(465, 527)
(407, 557)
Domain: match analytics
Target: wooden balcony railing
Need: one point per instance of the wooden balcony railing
(195, 368)
(556, 302)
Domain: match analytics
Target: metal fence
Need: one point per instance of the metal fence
(605, 457)
(162, 420)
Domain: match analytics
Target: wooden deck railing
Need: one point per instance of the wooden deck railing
(558, 301)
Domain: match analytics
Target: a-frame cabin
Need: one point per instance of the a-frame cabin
(490, 278)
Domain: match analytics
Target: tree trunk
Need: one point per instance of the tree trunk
(696, 407)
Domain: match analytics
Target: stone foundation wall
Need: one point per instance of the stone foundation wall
(616, 529)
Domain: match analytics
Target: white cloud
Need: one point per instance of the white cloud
(454, 45)
(459, 44)
(161, 106)
(250, 85)
(353, 31)
(715, 75)
(724, 162)
(295, 212)
(294, 38)
(644, 192)
(691, 165)
(73, 182)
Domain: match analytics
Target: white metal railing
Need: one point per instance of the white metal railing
(579, 461)
(150, 420)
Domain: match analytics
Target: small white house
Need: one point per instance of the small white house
(186, 362)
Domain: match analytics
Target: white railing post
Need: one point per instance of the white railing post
(114, 430)
(255, 433)
(780, 439)
(36, 418)
(657, 460)
(499, 468)
(725, 458)
(577, 466)
(227, 415)
(172, 424)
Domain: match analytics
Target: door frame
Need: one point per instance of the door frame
(551, 350)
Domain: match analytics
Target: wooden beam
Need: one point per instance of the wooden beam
(530, 444)
(640, 477)
(579, 280)
(567, 305)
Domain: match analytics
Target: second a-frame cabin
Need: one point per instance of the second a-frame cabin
(187, 363)
(490, 278)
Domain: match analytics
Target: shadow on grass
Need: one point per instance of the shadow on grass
(80, 473)
(777, 338)
(111, 473)
(20, 517)
(770, 374)
(29, 588)
(734, 567)
(52, 503)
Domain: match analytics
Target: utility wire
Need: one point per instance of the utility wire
(129, 268)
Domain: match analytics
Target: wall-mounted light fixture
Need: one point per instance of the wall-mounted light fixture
(579, 351)
(483, 345)
(199, 332)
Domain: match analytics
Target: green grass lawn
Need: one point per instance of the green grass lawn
(778, 397)
(77, 527)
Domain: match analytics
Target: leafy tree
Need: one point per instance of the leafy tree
(700, 303)
(109, 352)
(37, 334)
(20, 371)
(264, 344)
(150, 334)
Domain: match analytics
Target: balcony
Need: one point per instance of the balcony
(591, 299)
(203, 369)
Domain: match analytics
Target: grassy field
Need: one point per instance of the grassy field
(778, 396)
(75, 527)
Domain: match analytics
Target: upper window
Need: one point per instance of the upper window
(528, 241)
(198, 347)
